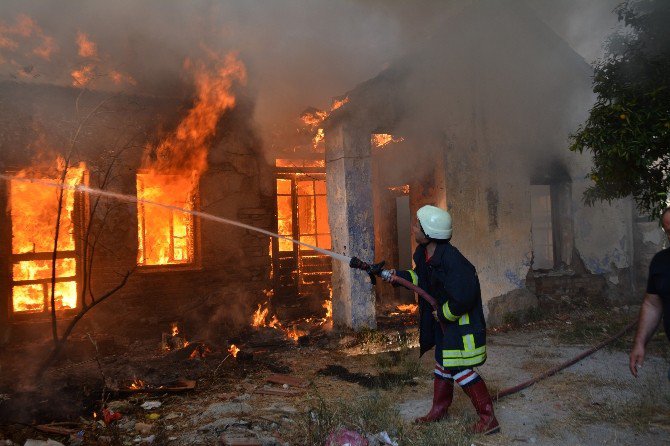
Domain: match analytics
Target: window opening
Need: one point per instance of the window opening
(165, 236)
(541, 227)
(33, 213)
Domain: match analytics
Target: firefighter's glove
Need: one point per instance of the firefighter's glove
(388, 275)
(435, 316)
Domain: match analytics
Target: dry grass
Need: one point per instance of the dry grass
(370, 414)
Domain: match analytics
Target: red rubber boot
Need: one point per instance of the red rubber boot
(443, 395)
(479, 395)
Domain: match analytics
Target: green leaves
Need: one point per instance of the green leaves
(628, 128)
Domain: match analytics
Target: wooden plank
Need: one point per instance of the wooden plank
(59, 428)
(279, 391)
(287, 379)
(175, 387)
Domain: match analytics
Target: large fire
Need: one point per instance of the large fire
(173, 168)
(165, 235)
(33, 210)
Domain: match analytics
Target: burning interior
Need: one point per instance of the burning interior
(34, 210)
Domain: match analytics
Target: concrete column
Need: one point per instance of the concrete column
(350, 215)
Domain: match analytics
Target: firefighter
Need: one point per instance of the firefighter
(441, 270)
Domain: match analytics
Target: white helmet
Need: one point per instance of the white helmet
(435, 222)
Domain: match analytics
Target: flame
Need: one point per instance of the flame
(328, 305)
(312, 119)
(339, 103)
(83, 76)
(175, 329)
(274, 323)
(185, 150)
(46, 48)
(25, 27)
(409, 308)
(119, 78)
(294, 333)
(259, 316)
(33, 210)
(380, 140)
(404, 189)
(137, 384)
(233, 350)
(165, 236)
(86, 47)
(318, 137)
(174, 166)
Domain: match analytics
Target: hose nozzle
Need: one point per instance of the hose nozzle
(373, 270)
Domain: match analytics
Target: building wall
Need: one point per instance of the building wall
(233, 264)
(493, 100)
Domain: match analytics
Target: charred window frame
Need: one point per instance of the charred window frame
(299, 268)
(79, 220)
(559, 196)
(191, 236)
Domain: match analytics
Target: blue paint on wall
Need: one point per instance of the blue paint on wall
(513, 278)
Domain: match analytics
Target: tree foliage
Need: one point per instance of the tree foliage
(628, 128)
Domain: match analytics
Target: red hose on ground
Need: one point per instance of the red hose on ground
(558, 368)
(514, 389)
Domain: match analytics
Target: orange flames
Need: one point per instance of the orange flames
(86, 47)
(380, 140)
(233, 350)
(339, 103)
(27, 36)
(173, 168)
(328, 305)
(83, 76)
(409, 308)
(137, 384)
(33, 210)
(313, 118)
(294, 334)
(404, 189)
(165, 236)
(95, 66)
(259, 317)
(259, 320)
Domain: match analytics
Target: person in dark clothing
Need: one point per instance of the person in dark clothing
(441, 270)
(656, 301)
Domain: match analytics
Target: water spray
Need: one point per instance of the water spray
(132, 199)
(373, 270)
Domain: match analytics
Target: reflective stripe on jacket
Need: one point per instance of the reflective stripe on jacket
(452, 280)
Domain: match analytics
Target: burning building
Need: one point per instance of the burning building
(206, 158)
(484, 109)
(475, 120)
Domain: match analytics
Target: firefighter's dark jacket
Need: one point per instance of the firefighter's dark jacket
(452, 280)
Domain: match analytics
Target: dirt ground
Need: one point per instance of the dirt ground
(374, 383)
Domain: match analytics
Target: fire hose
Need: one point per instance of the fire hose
(376, 269)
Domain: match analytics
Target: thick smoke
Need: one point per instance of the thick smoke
(298, 53)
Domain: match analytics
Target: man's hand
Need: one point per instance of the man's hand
(436, 316)
(636, 358)
(650, 317)
(388, 275)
